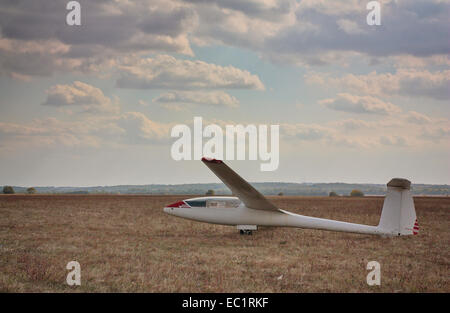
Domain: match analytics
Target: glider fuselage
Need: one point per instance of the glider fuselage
(241, 215)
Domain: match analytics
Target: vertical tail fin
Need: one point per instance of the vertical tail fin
(398, 216)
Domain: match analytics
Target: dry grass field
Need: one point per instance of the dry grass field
(126, 243)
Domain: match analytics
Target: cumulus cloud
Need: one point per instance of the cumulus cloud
(123, 38)
(136, 128)
(425, 84)
(436, 133)
(245, 24)
(306, 132)
(269, 9)
(401, 21)
(326, 134)
(167, 72)
(51, 132)
(213, 98)
(360, 104)
(409, 61)
(139, 129)
(319, 32)
(110, 29)
(404, 82)
(20, 130)
(418, 118)
(174, 22)
(398, 141)
(334, 8)
(409, 129)
(91, 131)
(26, 58)
(89, 98)
(390, 131)
(111, 24)
(350, 27)
(354, 124)
(306, 32)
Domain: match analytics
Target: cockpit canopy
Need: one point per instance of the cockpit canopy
(213, 202)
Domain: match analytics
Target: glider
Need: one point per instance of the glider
(250, 209)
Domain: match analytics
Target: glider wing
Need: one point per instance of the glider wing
(251, 197)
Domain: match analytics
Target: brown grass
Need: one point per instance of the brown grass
(127, 244)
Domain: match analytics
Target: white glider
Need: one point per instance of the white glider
(251, 209)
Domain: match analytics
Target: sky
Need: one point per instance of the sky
(94, 104)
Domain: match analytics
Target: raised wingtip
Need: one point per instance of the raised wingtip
(211, 160)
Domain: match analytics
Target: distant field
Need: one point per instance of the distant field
(125, 243)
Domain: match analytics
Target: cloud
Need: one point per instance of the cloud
(424, 84)
(25, 58)
(304, 33)
(360, 104)
(409, 61)
(436, 133)
(139, 129)
(50, 132)
(20, 130)
(321, 32)
(418, 118)
(112, 25)
(350, 27)
(397, 141)
(136, 128)
(404, 82)
(129, 128)
(334, 8)
(267, 9)
(390, 131)
(79, 94)
(109, 30)
(354, 124)
(213, 98)
(245, 24)
(326, 134)
(305, 132)
(400, 22)
(172, 23)
(167, 72)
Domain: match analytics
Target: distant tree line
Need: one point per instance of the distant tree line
(353, 193)
(268, 188)
(31, 190)
(8, 190)
(356, 193)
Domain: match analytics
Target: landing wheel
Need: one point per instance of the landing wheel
(245, 232)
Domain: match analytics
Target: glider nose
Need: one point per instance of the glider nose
(170, 208)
